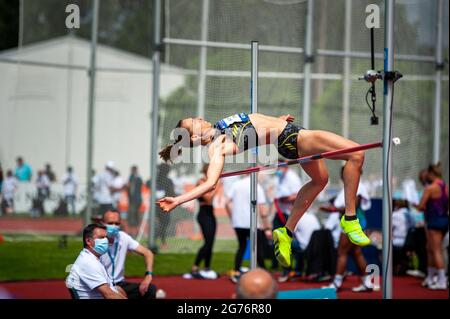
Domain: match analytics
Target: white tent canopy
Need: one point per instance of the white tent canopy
(43, 109)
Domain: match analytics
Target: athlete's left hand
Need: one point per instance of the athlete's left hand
(288, 118)
(167, 203)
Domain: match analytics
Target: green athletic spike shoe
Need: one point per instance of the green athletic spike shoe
(282, 244)
(354, 232)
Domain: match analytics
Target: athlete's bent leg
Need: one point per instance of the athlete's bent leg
(283, 236)
(314, 142)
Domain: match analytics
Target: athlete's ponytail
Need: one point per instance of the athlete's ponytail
(166, 152)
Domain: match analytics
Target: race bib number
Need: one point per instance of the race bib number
(236, 118)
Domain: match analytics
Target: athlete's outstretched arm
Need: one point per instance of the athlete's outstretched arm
(216, 152)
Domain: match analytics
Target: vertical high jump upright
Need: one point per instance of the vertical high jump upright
(254, 152)
(387, 147)
(157, 47)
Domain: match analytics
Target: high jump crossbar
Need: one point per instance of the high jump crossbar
(303, 160)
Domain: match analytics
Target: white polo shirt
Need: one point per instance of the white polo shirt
(114, 259)
(305, 228)
(239, 194)
(86, 274)
(102, 183)
(118, 183)
(287, 185)
(365, 203)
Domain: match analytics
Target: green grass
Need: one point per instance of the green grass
(22, 258)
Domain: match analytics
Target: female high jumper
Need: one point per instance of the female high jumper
(231, 136)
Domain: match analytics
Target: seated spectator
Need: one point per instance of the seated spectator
(302, 236)
(120, 243)
(257, 284)
(88, 278)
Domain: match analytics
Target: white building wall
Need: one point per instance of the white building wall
(43, 110)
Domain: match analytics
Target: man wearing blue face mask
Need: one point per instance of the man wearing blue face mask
(88, 278)
(119, 244)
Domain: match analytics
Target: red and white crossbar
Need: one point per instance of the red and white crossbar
(303, 160)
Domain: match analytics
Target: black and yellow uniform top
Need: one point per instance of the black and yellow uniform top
(240, 129)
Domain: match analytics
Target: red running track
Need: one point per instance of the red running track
(178, 288)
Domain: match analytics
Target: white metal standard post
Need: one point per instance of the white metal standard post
(308, 65)
(438, 85)
(254, 176)
(308, 60)
(203, 59)
(154, 124)
(91, 111)
(202, 75)
(69, 85)
(387, 148)
(346, 82)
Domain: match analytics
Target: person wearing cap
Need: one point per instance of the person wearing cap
(103, 184)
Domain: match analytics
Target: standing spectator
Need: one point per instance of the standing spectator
(346, 247)
(117, 186)
(70, 186)
(88, 278)
(120, 243)
(434, 203)
(238, 207)
(416, 241)
(134, 197)
(287, 184)
(23, 171)
(400, 226)
(1, 176)
(207, 222)
(164, 188)
(49, 172)
(43, 192)
(102, 189)
(8, 189)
